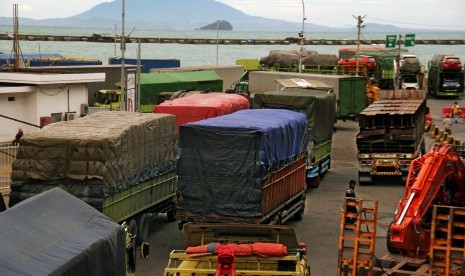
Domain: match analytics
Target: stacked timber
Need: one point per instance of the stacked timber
(388, 126)
(95, 156)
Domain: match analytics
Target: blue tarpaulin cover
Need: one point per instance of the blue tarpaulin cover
(55, 233)
(223, 161)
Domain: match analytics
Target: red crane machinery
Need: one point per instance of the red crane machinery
(436, 178)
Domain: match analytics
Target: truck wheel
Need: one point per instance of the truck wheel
(300, 214)
(131, 247)
(144, 228)
(389, 245)
(171, 214)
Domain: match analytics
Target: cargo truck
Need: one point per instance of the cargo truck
(350, 91)
(239, 249)
(244, 167)
(411, 73)
(319, 107)
(391, 135)
(121, 163)
(445, 76)
(55, 233)
(386, 62)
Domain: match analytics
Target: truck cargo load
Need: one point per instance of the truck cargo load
(350, 91)
(446, 76)
(55, 233)
(257, 250)
(410, 66)
(201, 106)
(320, 109)
(390, 137)
(242, 165)
(99, 158)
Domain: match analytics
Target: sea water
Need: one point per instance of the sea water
(195, 55)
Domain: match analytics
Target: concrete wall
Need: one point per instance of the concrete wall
(40, 101)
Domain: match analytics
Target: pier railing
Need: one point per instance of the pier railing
(230, 41)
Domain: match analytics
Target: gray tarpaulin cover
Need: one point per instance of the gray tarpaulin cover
(319, 106)
(96, 155)
(224, 160)
(55, 233)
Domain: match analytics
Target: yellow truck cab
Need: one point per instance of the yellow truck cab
(204, 252)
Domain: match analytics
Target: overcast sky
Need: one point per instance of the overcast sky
(428, 14)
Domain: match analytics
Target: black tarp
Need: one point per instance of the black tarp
(318, 106)
(224, 160)
(55, 233)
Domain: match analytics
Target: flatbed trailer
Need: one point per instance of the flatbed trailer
(391, 135)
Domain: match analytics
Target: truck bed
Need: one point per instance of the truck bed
(180, 263)
(293, 263)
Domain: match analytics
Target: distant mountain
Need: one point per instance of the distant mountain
(181, 15)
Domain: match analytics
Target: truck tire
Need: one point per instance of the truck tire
(143, 223)
(389, 245)
(300, 214)
(171, 214)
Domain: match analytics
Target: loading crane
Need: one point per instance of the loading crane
(436, 178)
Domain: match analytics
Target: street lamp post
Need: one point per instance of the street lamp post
(302, 37)
(123, 75)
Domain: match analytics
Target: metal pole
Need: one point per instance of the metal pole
(115, 39)
(138, 78)
(217, 23)
(302, 37)
(398, 49)
(359, 28)
(123, 73)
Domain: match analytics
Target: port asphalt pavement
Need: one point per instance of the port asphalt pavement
(320, 226)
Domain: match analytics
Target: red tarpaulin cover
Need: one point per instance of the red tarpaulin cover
(202, 106)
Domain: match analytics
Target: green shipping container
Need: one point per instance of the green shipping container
(151, 85)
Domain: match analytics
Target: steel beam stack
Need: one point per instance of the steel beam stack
(391, 126)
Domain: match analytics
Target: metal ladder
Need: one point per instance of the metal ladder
(447, 249)
(357, 241)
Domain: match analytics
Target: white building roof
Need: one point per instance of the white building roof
(40, 79)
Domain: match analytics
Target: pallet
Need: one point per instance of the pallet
(397, 265)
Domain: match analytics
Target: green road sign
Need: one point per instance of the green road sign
(409, 40)
(391, 41)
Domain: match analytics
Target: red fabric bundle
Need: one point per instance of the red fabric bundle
(269, 249)
(211, 248)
